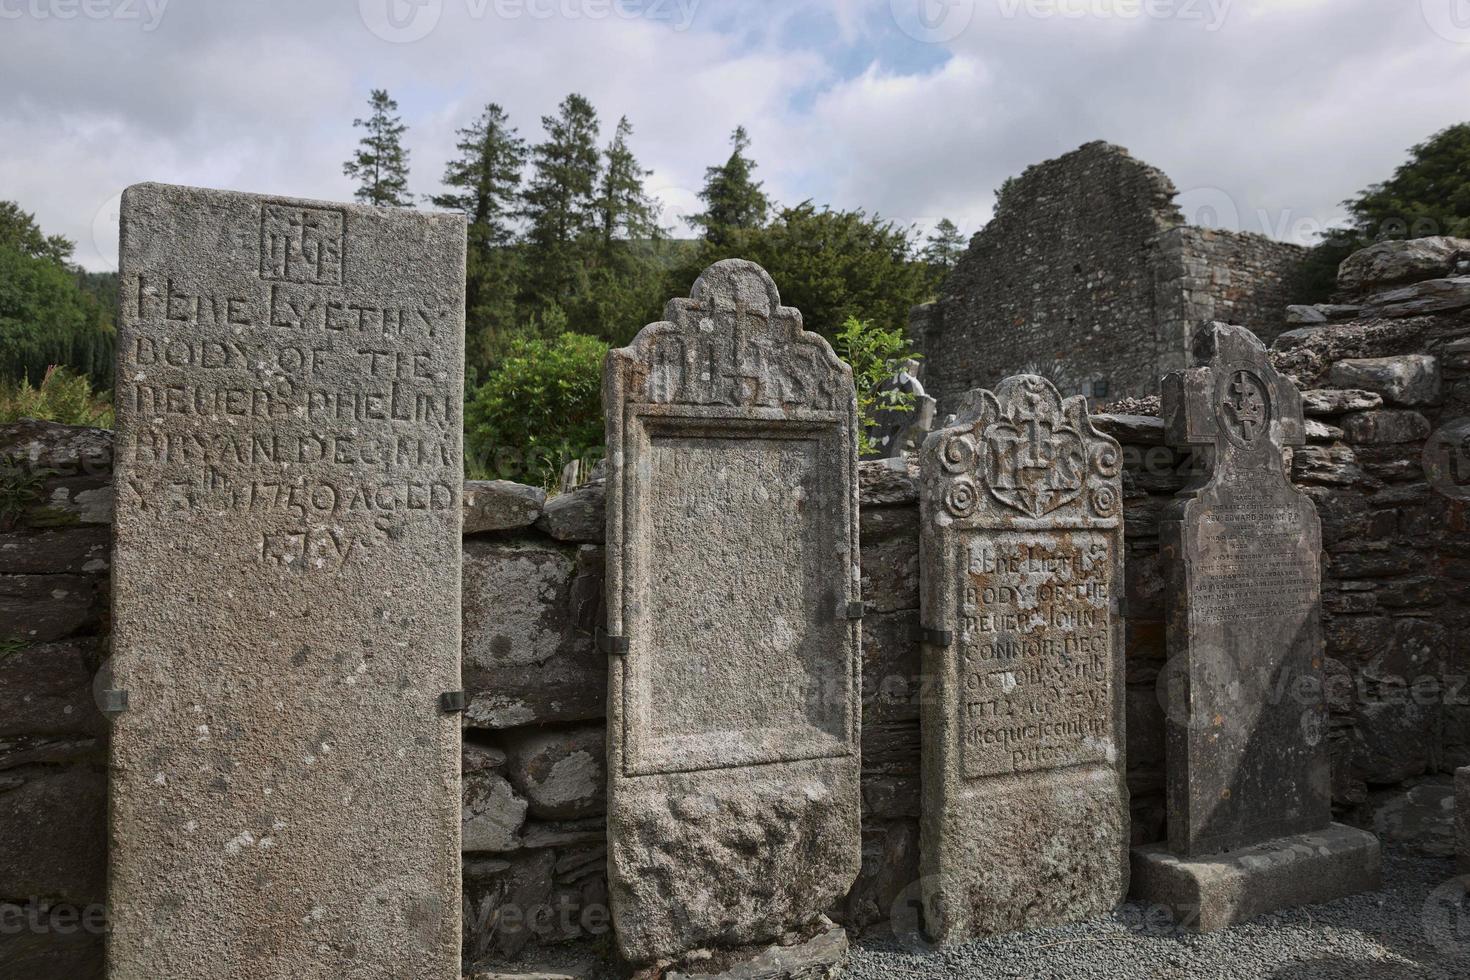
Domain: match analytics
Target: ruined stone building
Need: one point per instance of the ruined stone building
(1089, 275)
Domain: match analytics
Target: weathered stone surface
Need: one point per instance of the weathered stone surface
(46, 689)
(500, 505)
(576, 516)
(1333, 401)
(882, 485)
(1422, 298)
(1025, 806)
(494, 813)
(561, 773)
(530, 609)
(1134, 430)
(732, 566)
(68, 551)
(1297, 316)
(1419, 816)
(1408, 379)
(286, 616)
(1385, 425)
(1462, 817)
(820, 957)
(53, 835)
(1320, 432)
(1246, 720)
(1395, 262)
(43, 608)
(899, 428)
(1210, 893)
(59, 450)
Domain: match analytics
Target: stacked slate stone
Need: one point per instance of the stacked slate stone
(1248, 786)
(1462, 818)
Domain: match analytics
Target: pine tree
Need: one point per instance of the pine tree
(732, 199)
(944, 246)
(380, 164)
(624, 208)
(483, 183)
(560, 201)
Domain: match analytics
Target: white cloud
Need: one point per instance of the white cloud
(1285, 109)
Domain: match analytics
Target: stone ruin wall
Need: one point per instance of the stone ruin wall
(1087, 273)
(1396, 597)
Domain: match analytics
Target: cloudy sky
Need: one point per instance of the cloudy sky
(1266, 113)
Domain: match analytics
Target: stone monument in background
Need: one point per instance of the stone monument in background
(286, 577)
(733, 626)
(1249, 796)
(899, 428)
(1025, 809)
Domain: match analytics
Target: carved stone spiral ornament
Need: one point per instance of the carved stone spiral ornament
(1104, 502)
(962, 497)
(958, 455)
(1106, 460)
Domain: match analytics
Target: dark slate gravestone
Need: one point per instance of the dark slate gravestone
(897, 427)
(733, 624)
(1025, 810)
(1249, 793)
(285, 795)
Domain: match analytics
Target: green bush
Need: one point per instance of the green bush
(62, 396)
(540, 408)
(874, 355)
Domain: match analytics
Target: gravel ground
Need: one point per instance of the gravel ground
(1418, 926)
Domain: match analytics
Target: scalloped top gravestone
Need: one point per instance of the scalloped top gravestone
(286, 575)
(1249, 792)
(1246, 732)
(1025, 814)
(733, 597)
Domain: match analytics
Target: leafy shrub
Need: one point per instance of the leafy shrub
(540, 408)
(62, 397)
(874, 355)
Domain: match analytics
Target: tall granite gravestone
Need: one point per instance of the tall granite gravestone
(733, 603)
(899, 427)
(286, 576)
(1025, 813)
(1249, 790)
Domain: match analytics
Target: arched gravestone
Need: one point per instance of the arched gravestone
(733, 603)
(285, 790)
(1249, 789)
(1025, 815)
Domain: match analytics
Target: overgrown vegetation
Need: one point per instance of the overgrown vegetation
(539, 410)
(62, 396)
(874, 353)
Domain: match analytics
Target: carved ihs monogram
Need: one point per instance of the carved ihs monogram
(1036, 460)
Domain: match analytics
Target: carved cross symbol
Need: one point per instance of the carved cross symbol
(1247, 407)
(1029, 452)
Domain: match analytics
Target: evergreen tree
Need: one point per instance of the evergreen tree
(380, 164)
(732, 199)
(944, 246)
(19, 231)
(560, 202)
(483, 183)
(624, 208)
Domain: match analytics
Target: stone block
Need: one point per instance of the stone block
(1407, 379)
(1418, 816)
(530, 612)
(1392, 263)
(53, 834)
(44, 608)
(500, 505)
(823, 956)
(493, 813)
(67, 551)
(46, 689)
(1421, 299)
(1207, 894)
(560, 772)
(1333, 401)
(1385, 426)
(577, 515)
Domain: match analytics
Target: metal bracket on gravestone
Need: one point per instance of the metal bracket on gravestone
(853, 610)
(613, 646)
(936, 638)
(114, 702)
(453, 703)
